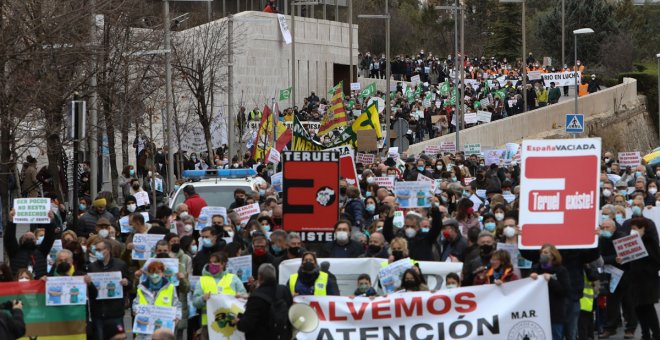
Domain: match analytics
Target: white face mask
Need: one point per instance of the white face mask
(509, 232)
(103, 233)
(370, 179)
(607, 193)
(183, 214)
(23, 279)
(187, 228)
(634, 232)
(499, 217)
(411, 232)
(341, 236)
(231, 234)
(131, 207)
(652, 191)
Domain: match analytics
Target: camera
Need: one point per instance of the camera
(8, 305)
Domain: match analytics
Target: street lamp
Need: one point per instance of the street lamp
(388, 109)
(459, 103)
(577, 87)
(524, 49)
(657, 56)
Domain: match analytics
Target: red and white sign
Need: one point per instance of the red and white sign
(559, 193)
(630, 248)
(247, 211)
(365, 158)
(630, 158)
(347, 170)
(448, 147)
(273, 156)
(432, 149)
(385, 182)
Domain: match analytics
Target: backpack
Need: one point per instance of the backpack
(279, 325)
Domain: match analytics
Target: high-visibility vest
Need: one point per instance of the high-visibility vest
(320, 285)
(164, 298)
(583, 90)
(255, 115)
(587, 300)
(209, 286)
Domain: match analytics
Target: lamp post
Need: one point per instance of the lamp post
(524, 49)
(388, 108)
(575, 35)
(459, 103)
(657, 57)
(563, 28)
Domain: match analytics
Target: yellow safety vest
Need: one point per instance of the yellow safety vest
(320, 285)
(386, 263)
(209, 286)
(164, 298)
(587, 300)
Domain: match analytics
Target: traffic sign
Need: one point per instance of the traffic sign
(574, 123)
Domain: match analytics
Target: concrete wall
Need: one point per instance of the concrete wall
(534, 123)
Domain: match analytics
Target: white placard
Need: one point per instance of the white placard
(32, 210)
(284, 28)
(107, 285)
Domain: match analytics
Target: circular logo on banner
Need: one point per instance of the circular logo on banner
(526, 330)
(325, 196)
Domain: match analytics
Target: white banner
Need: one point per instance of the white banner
(284, 28)
(560, 78)
(629, 158)
(515, 310)
(222, 312)
(348, 270)
(484, 116)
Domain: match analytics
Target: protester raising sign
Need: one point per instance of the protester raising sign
(245, 212)
(629, 158)
(630, 248)
(32, 210)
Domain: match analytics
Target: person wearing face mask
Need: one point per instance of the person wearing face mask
(370, 205)
(354, 209)
(239, 199)
(25, 253)
(489, 223)
(637, 210)
(411, 281)
(645, 283)
(500, 270)
(551, 269)
(376, 247)
(130, 206)
(364, 287)
(651, 190)
(342, 246)
(294, 249)
(193, 201)
(486, 243)
(260, 254)
(210, 243)
(87, 222)
(106, 311)
(309, 280)
(453, 244)
(103, 231)
(277, 243)
(156, 290)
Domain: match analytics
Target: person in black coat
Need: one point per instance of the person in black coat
(12, 326)
(420, 244)
(342, 246)
(645, 284)
(551, 269)
(25, 253)
(256, 321)
(210, 244)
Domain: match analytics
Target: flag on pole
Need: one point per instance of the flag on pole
(500, 93)
(264, 134)
(444, 89)
(336, 115)
(368, 120)
(285, 94)
(368, 91)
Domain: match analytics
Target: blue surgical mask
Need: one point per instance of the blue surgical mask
(40, 240)
(176, 187)
(277, 249)
(425, 230)
(131, 172)
(82, 206)
(207, 243)
(636, 211)
(466, 193)
(604, 217)
(490, 226)
(606, 234)
(420, 168)
(454, 179)
(619, 218)
(638, 174)
(155, 278)
(99, 255)
(370, 208)
(266, 228)
(262, 192)
(367, 194)
(193, 249)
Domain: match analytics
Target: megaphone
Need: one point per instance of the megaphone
(303, 318)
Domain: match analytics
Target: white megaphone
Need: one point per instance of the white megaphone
(303, 318)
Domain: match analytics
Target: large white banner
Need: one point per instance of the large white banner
(516, 310)
(223, 313)
(347, 271)
(560, 78)
(284, 28)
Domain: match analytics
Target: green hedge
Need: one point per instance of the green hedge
(647, 84)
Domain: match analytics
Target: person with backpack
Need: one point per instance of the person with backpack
(268, 305)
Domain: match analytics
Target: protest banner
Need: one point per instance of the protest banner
(108, 285)
(413, 194)
(347, 170)
(390, 277)
(448, 147)
(393, 152)
(342, 150)
(171, 268)
(125, 225)
(52, 254)
(276, 181)
(514, 310)
(365, 158)
(629, 159)
(31, 210)
(310, 199)
(355, 87)
(66, 290)
(144, 246)
(273, 156)
(470, 118)
(42, 322)
(484, 116)
(511, 150)
(284, 28)
(561, 78)
(348, 270)
(494, 156)
(141, 198)
(472, 149)
(385, 182)
(414, 80)
(247, 211)
(206, 215)
(561, 208)
(240, 266)
(149, 319)
(484, 102)
(398, 221)
(432, 149)
(534, 75)
(630, 248)
(222, 312)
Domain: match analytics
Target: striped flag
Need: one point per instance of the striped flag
(49, 323)
(264, 135)
(336, 115)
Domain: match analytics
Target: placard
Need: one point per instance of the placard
(206, 216)
(240, 266)
(31, 210)
(144, 246)
(432, 149)
(66, 290)
(365, 158)
(561, 208)
(472, 149)
(276, 181)
(413, 194)
(108, 285)
(470, 118)
(391, 276)
(630, 159)
(414, 80)
(448, 147)
(347, 170)
(149, 319)
(141, 198)
(247, 211)
(494, 156)
(223, 312)
(484, 116)
(386, 182)
(273, 156)
(355, 86)
(125, 226)
(630, 248)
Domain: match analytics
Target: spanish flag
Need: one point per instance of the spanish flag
(264, 135)
(336, 115)
(48, 323)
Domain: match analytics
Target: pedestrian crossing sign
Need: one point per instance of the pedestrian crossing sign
(574, 123)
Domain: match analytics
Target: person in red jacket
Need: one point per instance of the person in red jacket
(194, 202)
(271, 7)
